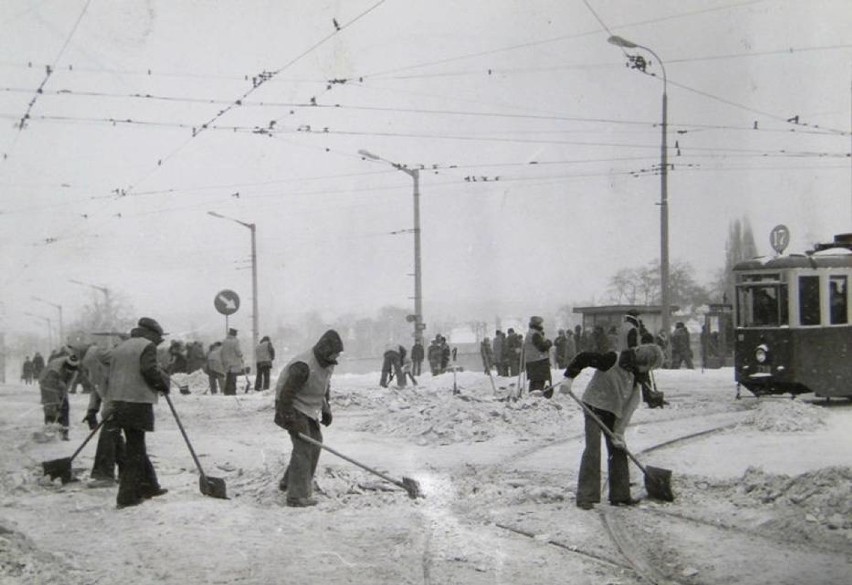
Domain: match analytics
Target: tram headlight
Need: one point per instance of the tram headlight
(761, 353)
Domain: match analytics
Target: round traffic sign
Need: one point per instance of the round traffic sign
(226, 302)
(779, 238)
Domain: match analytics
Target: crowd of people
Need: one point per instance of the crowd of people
(126, 379)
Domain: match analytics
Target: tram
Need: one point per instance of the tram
(793, 320)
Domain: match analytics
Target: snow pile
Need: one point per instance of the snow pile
(786, 416)
(22, 562)
(810, 505)
(197, 381)
(432, 419)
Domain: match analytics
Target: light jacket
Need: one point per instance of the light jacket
(264, 353)
(232, 355)
(312, 397)
(126, 382)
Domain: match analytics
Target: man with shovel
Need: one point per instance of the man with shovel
(55, 382)
(134, 383)
(301, 405)
(610, 399)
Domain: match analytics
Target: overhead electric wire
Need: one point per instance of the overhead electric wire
(48, 72)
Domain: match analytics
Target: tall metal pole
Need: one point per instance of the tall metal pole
(418, 281)
(665, 293)
(664, 217)
(254, 317)
(418, 277)
(59, 307)
(254, 302)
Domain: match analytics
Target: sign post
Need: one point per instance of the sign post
(779, 237)
(226, 302)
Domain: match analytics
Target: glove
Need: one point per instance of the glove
(618, 441)
(326, 418)
(565, 385)
(91, 418)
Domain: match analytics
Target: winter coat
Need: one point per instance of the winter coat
(54, 381)
(27, 370)
(232, 355)
(417, 352)
(96, 363)
(134, 374)
(214, 362)
(536, 346)
(497, 348)
(38, 364)
(304, 384)
(613, 386)
(264, 353)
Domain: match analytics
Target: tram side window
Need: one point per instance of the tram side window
(838, 289)
(809, 313)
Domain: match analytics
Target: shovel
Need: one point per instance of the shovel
(657, 479)
(209, 486)
(412, 486)
(62, 467)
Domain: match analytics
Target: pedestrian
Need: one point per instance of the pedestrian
(177, 358)
(417, 356)
(560, 344)
(486, 354)
(435, 356)
(264, 356)
(612, 395)
(55, 381)
(134, 383)
(27, 371)
(681, 349)
(111, 449)
(38, 365)
(570, 347)
(392, 360)
(497, 352)
(215, 368)
(232, 360)
(512, 351)
(445, 354)
(537, 356)
(301, 404)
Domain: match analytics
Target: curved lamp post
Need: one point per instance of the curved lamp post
(254, 315)
(664, 187)
(418, 283)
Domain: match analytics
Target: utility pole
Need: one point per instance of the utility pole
(108, 325)
(419, 326)
(61, 328)
(254, 303)
(665, 293)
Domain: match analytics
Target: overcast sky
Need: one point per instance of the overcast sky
(156, 112)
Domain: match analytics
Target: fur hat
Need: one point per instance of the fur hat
(72, 361)
(536, 322)
(151, 325)
(649, 354)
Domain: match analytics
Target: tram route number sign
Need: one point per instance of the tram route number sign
(226, 302)
(779, 237)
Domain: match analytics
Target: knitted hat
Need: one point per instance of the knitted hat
(649, 354)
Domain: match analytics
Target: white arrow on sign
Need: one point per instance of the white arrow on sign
(228, 302)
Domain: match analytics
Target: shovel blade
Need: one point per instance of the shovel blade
(658, 483)
(412, 486)
(58, 468)
(213, 487)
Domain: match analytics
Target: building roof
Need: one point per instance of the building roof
(622, 309)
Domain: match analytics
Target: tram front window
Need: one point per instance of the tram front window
(809, 313)
(762, 306)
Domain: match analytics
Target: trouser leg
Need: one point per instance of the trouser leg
(129, 491)
(619, 474)
(303, 463)
(230, 384)
(589, 481)
(212, 379)
(106, 454)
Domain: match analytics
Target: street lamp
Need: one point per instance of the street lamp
(108, 307)
(418, 284)
(664, 187)
(49, 328)
(254, 316)
(61, 330)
